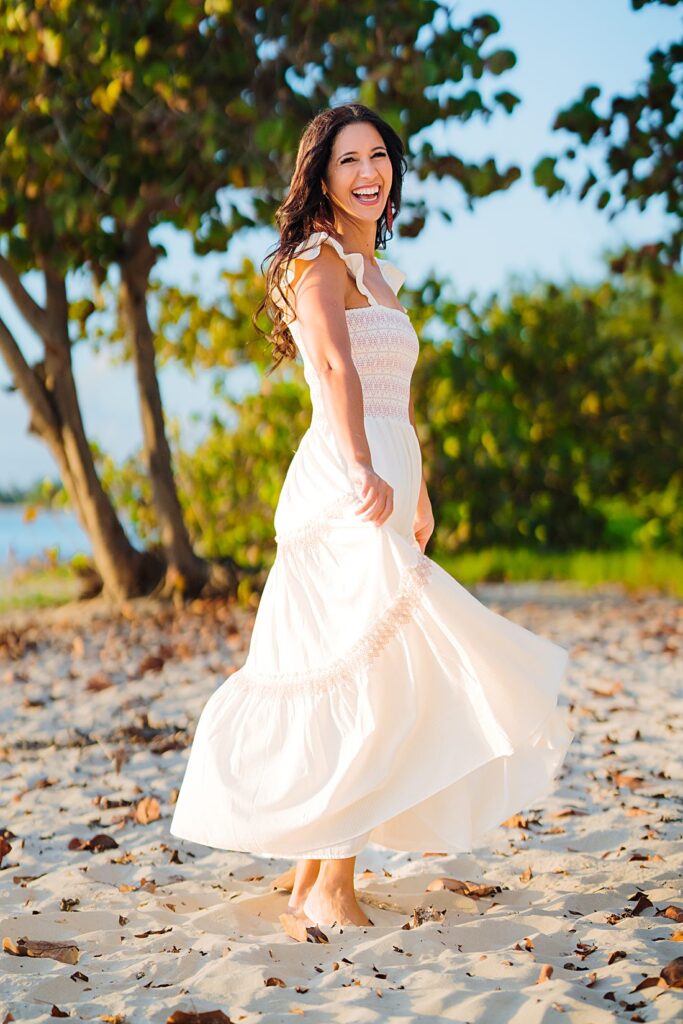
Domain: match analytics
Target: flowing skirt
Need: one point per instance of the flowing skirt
(379, 700)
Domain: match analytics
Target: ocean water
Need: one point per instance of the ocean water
(22, 538)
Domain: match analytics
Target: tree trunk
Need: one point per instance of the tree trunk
(186, 571)
(50, 391)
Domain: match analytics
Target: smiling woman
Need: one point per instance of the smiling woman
(379, 700)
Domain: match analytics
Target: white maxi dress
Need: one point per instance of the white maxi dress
(379, 700)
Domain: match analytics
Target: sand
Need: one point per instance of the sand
(97, 715)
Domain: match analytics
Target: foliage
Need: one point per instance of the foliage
(533, 411)
(550, 418)
(641, 138)
(120, 115)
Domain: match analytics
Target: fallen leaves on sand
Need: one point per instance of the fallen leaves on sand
(56, 1012)
(150, 663)
(5, 847)
(618, 954)
(301, 929)
(641, 901)
(207, 1017)
(670, 976)
(622, 780)
(423, 915)
(270, 982)
(672, 912)
(545, 974)
(475, 890)
(611, 691)
(96, 844)
(99, 681)
(519, 821)
(526, 875)
(65, 952)
(147, 810)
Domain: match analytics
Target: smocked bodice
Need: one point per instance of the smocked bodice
(384, 349)
(384, 345)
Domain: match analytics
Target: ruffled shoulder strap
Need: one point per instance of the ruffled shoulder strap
(309, 249)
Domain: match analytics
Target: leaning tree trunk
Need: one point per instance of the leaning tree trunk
(50, 392)
(186, 571)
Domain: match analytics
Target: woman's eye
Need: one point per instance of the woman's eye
(348, 159)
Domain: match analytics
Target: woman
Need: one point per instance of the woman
(379, 700)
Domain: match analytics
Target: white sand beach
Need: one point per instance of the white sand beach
(97, 716)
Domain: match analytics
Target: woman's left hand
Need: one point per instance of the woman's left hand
(423, 523)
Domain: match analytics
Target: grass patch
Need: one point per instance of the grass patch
(31, 586)
(635, 569)
(43, 586)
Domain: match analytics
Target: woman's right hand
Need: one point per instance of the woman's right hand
(376, 496)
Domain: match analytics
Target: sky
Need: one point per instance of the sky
(517, 234)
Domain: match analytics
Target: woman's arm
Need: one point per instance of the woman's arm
(423, 523)
(319, 295)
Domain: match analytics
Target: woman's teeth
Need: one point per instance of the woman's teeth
(367, 196)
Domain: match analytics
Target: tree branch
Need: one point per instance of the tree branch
(43, 419)
(33, 314)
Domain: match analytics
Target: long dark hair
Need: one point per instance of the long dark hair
(307, 209)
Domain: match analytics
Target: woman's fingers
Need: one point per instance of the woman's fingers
(378, 504)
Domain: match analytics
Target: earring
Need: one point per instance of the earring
(390, 215)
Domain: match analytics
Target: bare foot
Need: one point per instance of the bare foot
(336, 907)
(298, 881)
(285, 881)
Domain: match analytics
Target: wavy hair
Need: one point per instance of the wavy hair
(306, 208)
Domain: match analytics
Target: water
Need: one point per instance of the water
(21, 540)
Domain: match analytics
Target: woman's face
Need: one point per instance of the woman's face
(359, 161)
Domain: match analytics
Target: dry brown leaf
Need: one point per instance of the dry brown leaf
(206, 1017)
(475, 890)
(147, 810)
(526, 875)
(629, 781)
(56, 1012)
(642, 902)
(99, 681)
(5, 847)
(301, 928)
(649, 983)
(422, 915)
(672, 912)
(545, 974)
(150, 663)
(65, 952)
(618, 954)
(519, 821)
(611, 691)
(592, 979)
(275, 981)
(636, 812)
(677, 937)
(673, 973)
(114, 1018)
(95, 844)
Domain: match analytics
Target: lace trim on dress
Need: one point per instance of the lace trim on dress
(314, 528)
(344, 670)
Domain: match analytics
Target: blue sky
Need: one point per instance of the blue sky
(560, 47)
